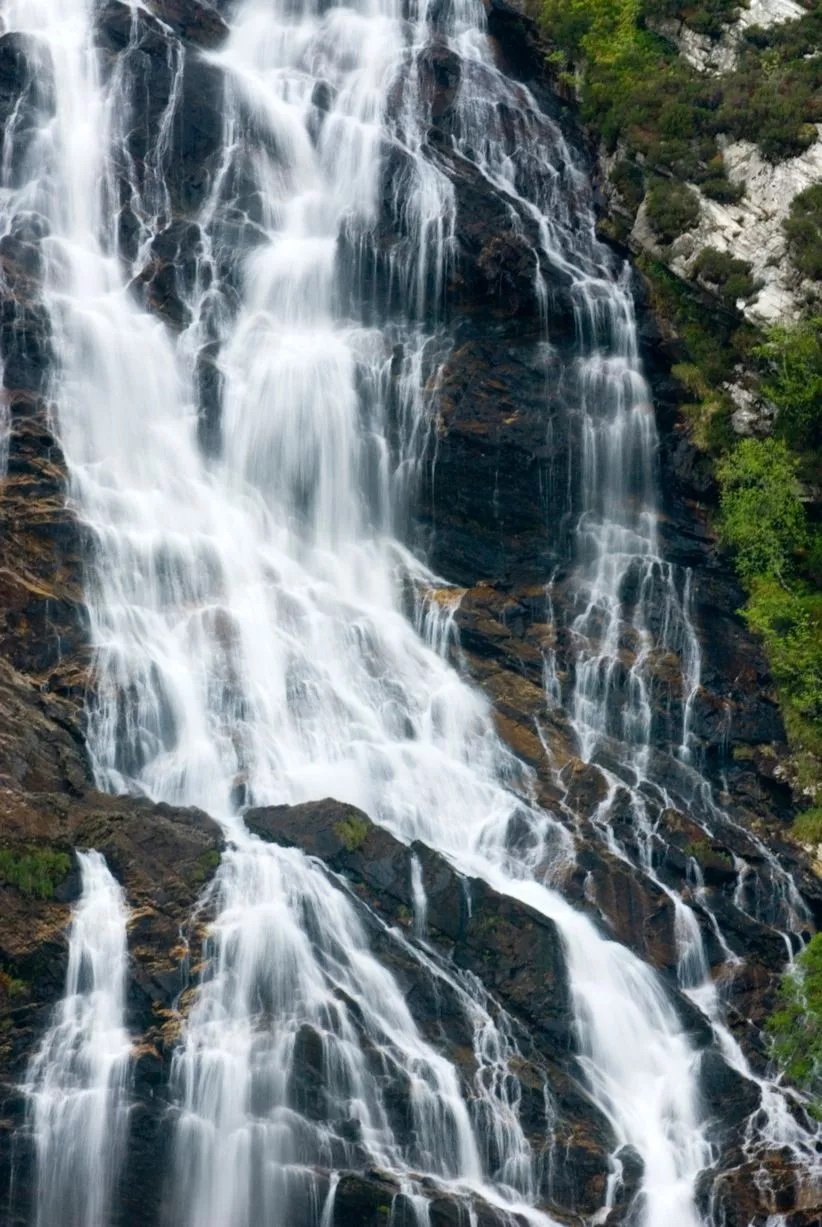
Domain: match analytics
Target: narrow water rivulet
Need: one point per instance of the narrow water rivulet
(257, 608)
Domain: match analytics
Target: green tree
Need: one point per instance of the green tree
(762, 517)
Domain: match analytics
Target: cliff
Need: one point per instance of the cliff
(494, 514)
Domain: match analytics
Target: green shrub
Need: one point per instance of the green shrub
(721, 189)
(730, 278)
(34, 871)
(789, 619)
(672, 208)
(793, 356)
(704, 16)
(807, 827)
(629, 181)
(762, 517)
(353, 831)
(803, 230)
(795, 1027)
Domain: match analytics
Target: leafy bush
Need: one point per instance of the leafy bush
(704, 16)
(731, 278)
(629, 181)
(721, 189)
(762, 517)
(803, 229)
(672, 209)
(789, 619)
(793, 357)
(795, 1028)
(34, 871)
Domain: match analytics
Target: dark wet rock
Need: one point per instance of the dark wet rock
(161, 73)
(374, 1199)
(728, 1098)
(195, 21)
(771, 1187)
(322, 96)
(439, 72)
(168, 279)
(196, 134)
(516, 951)
(26, 94)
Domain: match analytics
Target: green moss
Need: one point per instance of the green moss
(206, 865)
(715, 342)
(672, 209)
(34, 871)
(704, 16)
(701, 850)
(11, 986)
(353, 831)
(795, 1027)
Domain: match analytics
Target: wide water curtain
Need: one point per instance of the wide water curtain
(244, 431)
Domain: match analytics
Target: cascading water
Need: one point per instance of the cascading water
(77, 1079)
(247, 582)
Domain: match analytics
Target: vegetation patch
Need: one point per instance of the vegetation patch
(671, 208)
(803, 230)
(807, 827)
(795, 1027)
(353, 831)
(728, 277)
(11, 987)
(206, 865)
(762, 517)
(640, 94)
(791, 357)
(34, 871)
(703, 852)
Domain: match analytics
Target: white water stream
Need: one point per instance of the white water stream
(248, 610)
(77, 1079)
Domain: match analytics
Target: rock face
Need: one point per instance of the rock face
(749, 230)
(496, 511)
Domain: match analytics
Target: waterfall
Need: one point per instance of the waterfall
(247, 593)
(76, 1081)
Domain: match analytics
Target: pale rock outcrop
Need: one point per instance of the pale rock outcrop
(750, 229)
(718, 55)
